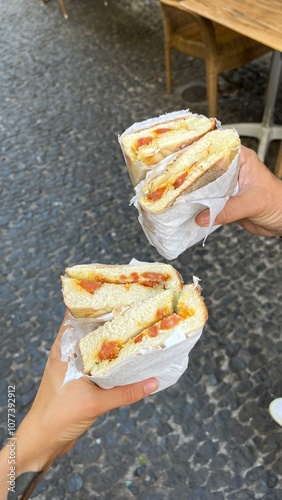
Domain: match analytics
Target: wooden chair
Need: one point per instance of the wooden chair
(196, 36)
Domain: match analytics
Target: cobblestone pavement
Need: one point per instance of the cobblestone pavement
(68, 88)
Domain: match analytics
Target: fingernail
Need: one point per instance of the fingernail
(204, 219)
(150, 386)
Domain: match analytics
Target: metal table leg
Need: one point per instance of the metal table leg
(265, 131)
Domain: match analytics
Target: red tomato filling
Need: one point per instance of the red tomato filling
(170, 321)
(156, 195)
(90, 286)
(179, 181)
(160, 131)
(109, 350)
(144, 141)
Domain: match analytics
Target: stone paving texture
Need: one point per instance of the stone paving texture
(68, 88)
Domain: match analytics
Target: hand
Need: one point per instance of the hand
(258, 205)
(60, 415)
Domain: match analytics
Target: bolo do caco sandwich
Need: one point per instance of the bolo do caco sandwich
(142, 327)
(149, 302)
(92, 290)
(147, 146)
(198, 165)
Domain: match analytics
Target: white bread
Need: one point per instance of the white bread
(93, 290)
(129, 323)
(150, 145)
(84, 304)
(201, 163)
(190, 315)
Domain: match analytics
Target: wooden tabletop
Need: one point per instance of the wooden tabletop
(257, 19)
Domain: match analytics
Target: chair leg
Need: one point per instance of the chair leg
(168, 66)
(63, 8)
(278, 166)
(211, 77)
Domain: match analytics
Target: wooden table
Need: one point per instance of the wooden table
(262, 21)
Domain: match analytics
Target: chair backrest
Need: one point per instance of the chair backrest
(175, 17)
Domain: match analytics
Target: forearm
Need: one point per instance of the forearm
(25, 459)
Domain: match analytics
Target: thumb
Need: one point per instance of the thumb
(126, 395)
(233, 210)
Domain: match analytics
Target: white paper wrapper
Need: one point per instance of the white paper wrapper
(166, 364)
(137, 170)
(175, 230)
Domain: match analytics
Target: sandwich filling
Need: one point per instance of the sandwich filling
(167, 137)
(143, 326)
(149, 279)
(201, 163)
(110, 348)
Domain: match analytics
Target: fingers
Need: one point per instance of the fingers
(125, 395)
(234, 210)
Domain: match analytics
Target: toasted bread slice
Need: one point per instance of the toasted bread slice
(150, 145)
(126, 336)
(201, 163)
(105, 342)
(93, 290)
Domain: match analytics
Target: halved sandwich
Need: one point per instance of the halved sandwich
(143, 326)
(94, 289)
(201, 163)
(144, 148)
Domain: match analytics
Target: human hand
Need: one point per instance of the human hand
(258, 205)
(60, 415)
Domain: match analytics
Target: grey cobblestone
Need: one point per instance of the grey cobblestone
(68, 88)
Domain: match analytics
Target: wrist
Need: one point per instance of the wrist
(36, 449)
(26, 457)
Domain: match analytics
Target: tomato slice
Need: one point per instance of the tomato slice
(169, 321)
(109, 350)
(138, 338)
(160, 314)
(160, 131)
(179, 181)
(156, 277)
(156, 195)
(90, 286)
(144, 141)
(153, 330)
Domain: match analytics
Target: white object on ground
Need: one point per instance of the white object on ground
(275, 410)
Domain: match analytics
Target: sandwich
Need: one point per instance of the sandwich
(146, 147)
(142, 327)
(92, 290)
(203, 162)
